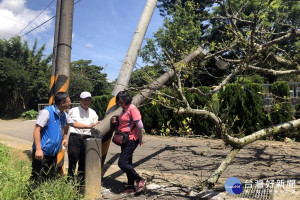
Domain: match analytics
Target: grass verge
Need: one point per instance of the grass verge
(15, 170)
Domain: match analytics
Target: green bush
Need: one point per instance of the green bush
(242, 108)
(282, 109)
(160, 120)
(29, 115)
(99, 104)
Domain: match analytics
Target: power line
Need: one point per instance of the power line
(45, 22)
(35, 18)
(38, 26)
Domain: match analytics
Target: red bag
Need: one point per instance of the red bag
(120, 138)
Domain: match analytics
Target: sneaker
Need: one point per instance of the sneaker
(140, 186)
(128, 190)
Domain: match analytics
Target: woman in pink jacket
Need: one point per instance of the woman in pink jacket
(130, 120)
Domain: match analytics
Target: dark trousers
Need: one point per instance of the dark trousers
(125, 161)
(42, 170)
(76, 153)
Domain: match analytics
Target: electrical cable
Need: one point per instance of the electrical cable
(38, 26)
(44, 22)
(34, 18)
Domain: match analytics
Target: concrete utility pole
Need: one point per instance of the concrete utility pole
(135, 45)
(60, 71)
(127, 66)
(64, 46)
(60, 76)
(54, 56)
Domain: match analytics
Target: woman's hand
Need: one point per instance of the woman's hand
(141, 143)
(114, 120)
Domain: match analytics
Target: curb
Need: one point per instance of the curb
(16, 143)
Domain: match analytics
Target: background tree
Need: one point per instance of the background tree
(145, 75)
(87, 77)
(201, 5)
(24, 79)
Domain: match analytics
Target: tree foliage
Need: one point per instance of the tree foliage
(257, 39)
(24, 76)
(145, 75)
(166, 5)
(87, 77)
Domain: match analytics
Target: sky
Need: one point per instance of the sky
(102, 29)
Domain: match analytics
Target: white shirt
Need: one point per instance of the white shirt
(44, 116)
(78, 114)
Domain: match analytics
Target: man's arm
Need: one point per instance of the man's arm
(37, 141)
(64, 142)
(84, 126)
(71, 122)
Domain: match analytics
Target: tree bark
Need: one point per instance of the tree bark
(211, 181)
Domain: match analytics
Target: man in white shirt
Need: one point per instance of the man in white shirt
(76, 144)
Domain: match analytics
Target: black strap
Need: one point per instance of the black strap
(133, 127)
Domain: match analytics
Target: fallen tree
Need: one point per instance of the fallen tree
(250, 44)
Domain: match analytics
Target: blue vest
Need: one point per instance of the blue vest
(52, 133)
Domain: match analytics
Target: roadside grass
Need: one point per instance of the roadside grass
(15, 170)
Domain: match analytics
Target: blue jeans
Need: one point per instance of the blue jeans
(125, 161)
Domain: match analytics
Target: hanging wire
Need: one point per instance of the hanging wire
(34, 18)
(45, 22)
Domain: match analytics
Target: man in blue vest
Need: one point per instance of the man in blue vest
(50, 132)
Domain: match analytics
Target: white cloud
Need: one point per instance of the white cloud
(14, 17)
(89, 45)
(50, 42)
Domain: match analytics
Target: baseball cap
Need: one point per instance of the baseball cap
(84, 95)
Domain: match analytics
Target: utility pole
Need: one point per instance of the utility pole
(127, 66)
(60, 71)
(64, 46)
(135, 45)
(54, 56)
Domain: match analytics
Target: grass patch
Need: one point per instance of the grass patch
(15, 170)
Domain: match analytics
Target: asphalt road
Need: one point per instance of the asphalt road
(18, 128)
(168, 162)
